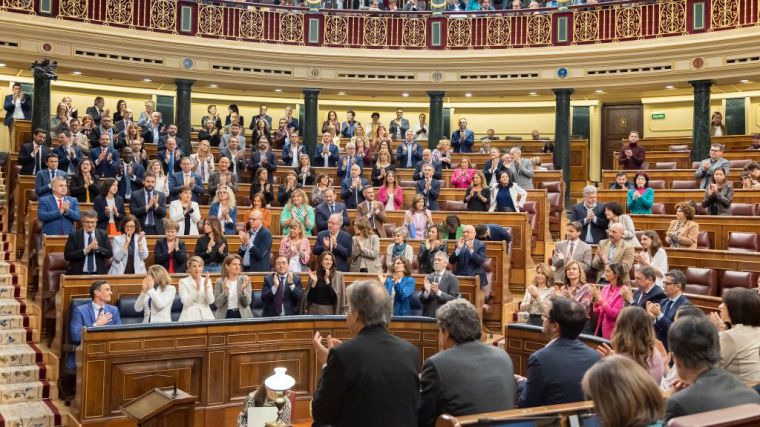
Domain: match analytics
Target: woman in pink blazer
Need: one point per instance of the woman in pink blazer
(462, 176)
(390, 193)
(608, 301)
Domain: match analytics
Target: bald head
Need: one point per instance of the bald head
(616, 232)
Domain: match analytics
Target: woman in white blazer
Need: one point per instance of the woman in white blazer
(157, 296)
(507, 196)
(196, 292)
(186, 213)
(131, 240)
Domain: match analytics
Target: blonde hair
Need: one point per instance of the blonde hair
(623, 392)
(160, 168)
(196, 258)
(444, 143)
(160, 275)
(303, 195)
(231, 202)
(581, 276)
(548, 273)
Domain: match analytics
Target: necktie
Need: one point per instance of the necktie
(332, 209)
(60, 204)
(570, 251)
(171, 162)
(369, 211)
(171, 260)
(348, 165)
(409, 155)
(149, 219)
(203, 169)
(100, 313)
(127, 183)
(52, 175)
(91, 256)
(668, 306)
(278, 296)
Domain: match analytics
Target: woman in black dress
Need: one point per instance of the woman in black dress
(478, 195)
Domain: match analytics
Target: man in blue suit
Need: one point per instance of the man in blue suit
(32, 155)
(105, 159)
(263, 158)
(282, 291)
(17, 106)
(350, 159)
(430, 188)
(555, 372)
(326, 154)
(469, 256)
(130, 174)
(646, 289)
(409, 152)
(664, 313)
(323, 210)
(292, 121)
(58, 212)
(69, 155)
(293, 150)
(462, 139)
(492, 233)
(42, 183)
(95, 313)
(336, 241)
(256, 247)
(352, 188)
(186, 178)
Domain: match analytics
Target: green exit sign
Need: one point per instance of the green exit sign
(658, 116)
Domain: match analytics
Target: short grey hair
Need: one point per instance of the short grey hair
(336, 217)
(441, 254)
(589, 189)
(371, 302)
(460, 319)
(515, 150)
(90, 214)
(56, 179)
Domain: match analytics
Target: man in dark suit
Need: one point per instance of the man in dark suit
(352, 188)
(492, 233)
(43, 180)
(460, 379)
(153, 129)
(349, 160)
(262, 116)
(32, 155)
(171, 132)
(171, 157)
(96, 111)
(263, 158)
(469, 256)
(430, 188)
(292, 121)
(69, 155)
(57, 212)
(409, 152)
(373, 210)
(149, 206)
(105, 159)
(326, 154)
(17, 106)
(336, 241)
(590, 213)
(555, 372)
(371, 380)
(236, 156)
(695, 347)
(427, 159)
(323, 211)
(96, 313)
(646, 289)
(282, 291)
(256, 246)
(440, 286)
(106, 129)
(186, 178)
(88, 249)
(573, 249)
(130, 174)
(664, 313)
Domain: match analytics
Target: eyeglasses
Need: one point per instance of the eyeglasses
(668, 283)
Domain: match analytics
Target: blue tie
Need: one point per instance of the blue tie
(91, 256)
(171, 162)
(409, 155)
(668, 306)
(127, 184)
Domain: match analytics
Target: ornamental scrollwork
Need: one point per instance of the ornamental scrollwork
(252, 24)
(27, 5)
(725, 13)
(210, 19)
(585, 26)
(459, 32)
(119, 11)
(375, 31)
(499, 32)
(291, 27)
(72, 9)
(672, 16)
(336, 30)
(414, 32)
(539, 29)
(163, 15)
(628, 22)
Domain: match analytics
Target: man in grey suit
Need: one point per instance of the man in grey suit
(695, 346)
(522, 169)
(571, 249)
(440, 286)
(468, 377)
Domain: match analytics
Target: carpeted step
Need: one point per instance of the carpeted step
(7, 267)
(16, 336)
(13, 321)
(12, 306)
(23, 392)
(8, 279)
(9, 291)
(38, 414)
(20, 355)
(22, 374)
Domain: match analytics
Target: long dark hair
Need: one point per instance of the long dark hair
(321, 270)
(216, 229)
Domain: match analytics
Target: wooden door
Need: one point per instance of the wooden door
(618, 120)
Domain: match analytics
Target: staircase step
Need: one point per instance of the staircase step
(38, 414)
(20, 355)
(13, 321)
(12, 306)
(16, 336)
(8, 279)
(8, 291)
(22, 374)
(22, 392)
(7, 267)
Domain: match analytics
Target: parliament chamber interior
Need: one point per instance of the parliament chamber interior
(380, 213)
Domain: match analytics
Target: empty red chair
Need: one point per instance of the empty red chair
(701, 281)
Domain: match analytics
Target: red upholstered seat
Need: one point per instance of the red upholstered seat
(747, 415)
(556, 209)
(664, 165)
(453, 205)
(740, 241)
(743, 209)
(551, 186)
(703, 240)
(738, 164)
(737, 279)
(658, 208)
(657, 184)
(679, 184)
(702, 281)
(548, 166)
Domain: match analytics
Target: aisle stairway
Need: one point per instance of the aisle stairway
(25, 378)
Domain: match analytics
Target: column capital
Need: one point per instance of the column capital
(184, 82)
(310, 91)
(701, 83)
(563, 91)
(436, 94)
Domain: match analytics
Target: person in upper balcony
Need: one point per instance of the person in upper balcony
(632, 155)
(462, 139)
(399, 126)
(717, 128)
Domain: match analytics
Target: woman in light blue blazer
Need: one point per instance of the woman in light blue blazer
(130, 248)
(225, 209)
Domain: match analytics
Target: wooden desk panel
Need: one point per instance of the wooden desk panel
(667, 175)
(670, 198)
(717, 227)
(683, 158)
(732, 142)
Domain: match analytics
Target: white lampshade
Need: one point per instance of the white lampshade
(280, 381)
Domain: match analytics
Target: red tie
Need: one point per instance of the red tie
(171, 264)
(60, 204)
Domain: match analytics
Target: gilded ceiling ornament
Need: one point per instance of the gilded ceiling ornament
(210, 19)
(336, 30)
(119, 11)
(628, 22)
(539, 29)
(725, 13)
(72, 9)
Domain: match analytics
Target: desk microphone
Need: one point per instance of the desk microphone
(174, 381)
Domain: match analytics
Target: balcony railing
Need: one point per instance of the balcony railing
(607, 22)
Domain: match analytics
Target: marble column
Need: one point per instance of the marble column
(562, 137)
(309, 131)
(435, 118)
(44, 72)
(700, 134)
(182, 113)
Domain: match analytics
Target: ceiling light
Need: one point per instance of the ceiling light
(599, 91)
(744, 81)
(341, 93)
(532, 94)
(405, 94)
(213, 86)
(2, 64)
(669, 87)
(468, 94)
(278, 90)
(76, 73)
(147, 80)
